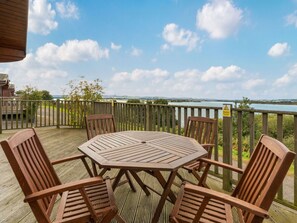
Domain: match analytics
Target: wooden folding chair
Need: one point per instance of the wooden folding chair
(98, 124)
(204, 130)
(87, 200)
(252, 196)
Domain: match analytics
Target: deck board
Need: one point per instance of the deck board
(134, 207)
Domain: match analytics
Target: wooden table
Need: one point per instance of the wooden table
(147, 151)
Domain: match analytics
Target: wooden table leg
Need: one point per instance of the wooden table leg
(94, 168)
(163, 182)
(139, 181)
(117, 179)
(103, 172)
(130, 181)
(166, 192)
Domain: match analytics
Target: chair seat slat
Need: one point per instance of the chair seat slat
(37, 178)
(252, 196)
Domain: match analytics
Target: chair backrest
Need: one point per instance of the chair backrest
(203, 129)
(32, 169)
(99, 124)
(264, 174)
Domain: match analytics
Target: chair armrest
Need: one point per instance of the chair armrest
(66, 159)
(62, 188)
(233, 201)
(75, 157)
(224, 165)
(207, 145)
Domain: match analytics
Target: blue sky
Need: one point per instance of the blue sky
(219, 49)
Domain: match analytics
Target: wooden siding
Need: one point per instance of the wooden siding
(13, 30)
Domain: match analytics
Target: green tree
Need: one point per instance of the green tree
(161, 102)
(244, 104)
(46, 95)
(30, 96)
(30, 93)
(288, 129)
(133, 101)
(84, 90)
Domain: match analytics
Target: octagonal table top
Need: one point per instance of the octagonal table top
(145, 150)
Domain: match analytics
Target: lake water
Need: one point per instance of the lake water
(274, 107)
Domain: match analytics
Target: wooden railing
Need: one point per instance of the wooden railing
(237, 135)
(249, 124)
(19, 114)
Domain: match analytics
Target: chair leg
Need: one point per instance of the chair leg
(109, 216)
(119, 219)
(200, 182)
(180, 176)
(203, 177)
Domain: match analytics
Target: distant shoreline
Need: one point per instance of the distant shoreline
(264, 101)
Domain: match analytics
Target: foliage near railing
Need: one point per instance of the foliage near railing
(18, 114)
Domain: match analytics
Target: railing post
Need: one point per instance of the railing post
(58, 113)
(280, 136)
(148, 117)
(92, 107)
(112, 107)
(227, 145)
(1, 104)
(295, 161)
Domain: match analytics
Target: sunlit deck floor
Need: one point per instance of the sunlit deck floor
(134, 206)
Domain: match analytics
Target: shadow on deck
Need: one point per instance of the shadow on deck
(134, 206)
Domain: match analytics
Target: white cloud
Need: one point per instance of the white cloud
(48, 69)
(190, 83)
(122, 76)
(291, 19)
(186, 81)
(41, 17)
(186, 74)
(138, 82)
(220, 73)
(165, 47)
(253, 83)
(278, 49)
(115, 46)
(71, 51)
(139, 75)
(222, 81)
(176, 36)
(136, 52)
(290, 77)
(67, 9)
(30, 72)
(220, 18)
(158, 82)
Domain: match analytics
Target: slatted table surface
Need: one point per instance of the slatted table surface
(148, 151)
(142, 150)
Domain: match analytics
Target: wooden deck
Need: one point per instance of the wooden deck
(134, 206)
